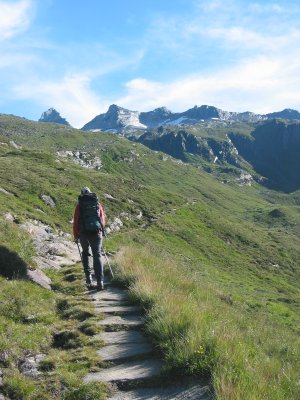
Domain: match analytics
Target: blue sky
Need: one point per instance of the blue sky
(81, 56)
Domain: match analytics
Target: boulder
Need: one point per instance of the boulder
(48, 201)
(5, 192)
(40, 278)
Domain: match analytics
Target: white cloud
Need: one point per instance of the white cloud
(260, 85)
(246, 38)
(14, 17)
(262, 8)
(72, 97)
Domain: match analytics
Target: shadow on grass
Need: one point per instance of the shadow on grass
(11, 265)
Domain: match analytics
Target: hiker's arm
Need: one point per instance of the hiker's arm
(102, 215)
(75, 223)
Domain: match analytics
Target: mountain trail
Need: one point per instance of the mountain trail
(134, 368)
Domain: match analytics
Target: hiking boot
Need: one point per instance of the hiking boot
(89, 287)
(100, 285)
(89, 279)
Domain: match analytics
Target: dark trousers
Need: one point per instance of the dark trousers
(94, 241)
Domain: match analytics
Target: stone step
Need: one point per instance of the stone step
(119, 310)
(110, 303)
(127, 373)
(197, 391)
(130, 336)
(126, 321)
(125, 351)
(110, 293)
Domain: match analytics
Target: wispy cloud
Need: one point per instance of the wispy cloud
(72, 94)
(262, 8)
(237, 36)
(14, 17)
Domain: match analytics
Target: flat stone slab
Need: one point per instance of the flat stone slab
(124, 351)
(110, 303)
(118, 310)
(194, 392)
(110, 293)
(129, 371)
(130, 336)
(127, 320)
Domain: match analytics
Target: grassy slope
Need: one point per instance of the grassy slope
(233, 258)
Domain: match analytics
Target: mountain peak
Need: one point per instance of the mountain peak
(51, 115)
(116, 119)
(114, 107)
(287, 113)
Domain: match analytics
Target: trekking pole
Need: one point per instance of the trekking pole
(79, 252)
(108, 263)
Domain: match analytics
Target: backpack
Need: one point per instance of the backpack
(89, 212)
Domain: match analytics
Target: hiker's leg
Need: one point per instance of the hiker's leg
(85, 258)
(96, 243)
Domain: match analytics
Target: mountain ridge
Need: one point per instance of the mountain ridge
(121, 120)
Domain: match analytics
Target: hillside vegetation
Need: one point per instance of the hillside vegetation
(215, 264)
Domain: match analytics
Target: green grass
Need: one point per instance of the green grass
(57, 324)
(202, 330)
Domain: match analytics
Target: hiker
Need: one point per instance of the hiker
(89, 222)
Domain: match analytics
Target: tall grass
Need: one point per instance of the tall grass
(200, 331)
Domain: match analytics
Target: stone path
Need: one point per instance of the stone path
(134, 369)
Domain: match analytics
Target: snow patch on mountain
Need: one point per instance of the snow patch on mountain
(177, 121)
(130, 119)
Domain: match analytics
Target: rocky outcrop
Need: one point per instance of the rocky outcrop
(82, 158)
(53, 249)
(29, 365)
(224, 151)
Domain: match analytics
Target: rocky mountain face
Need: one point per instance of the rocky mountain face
(176, 144)
(155, 118)
(273, 149)
(181, 144)
(52, 115)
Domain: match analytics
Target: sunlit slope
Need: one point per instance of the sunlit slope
(243, 242)
(248, 221)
